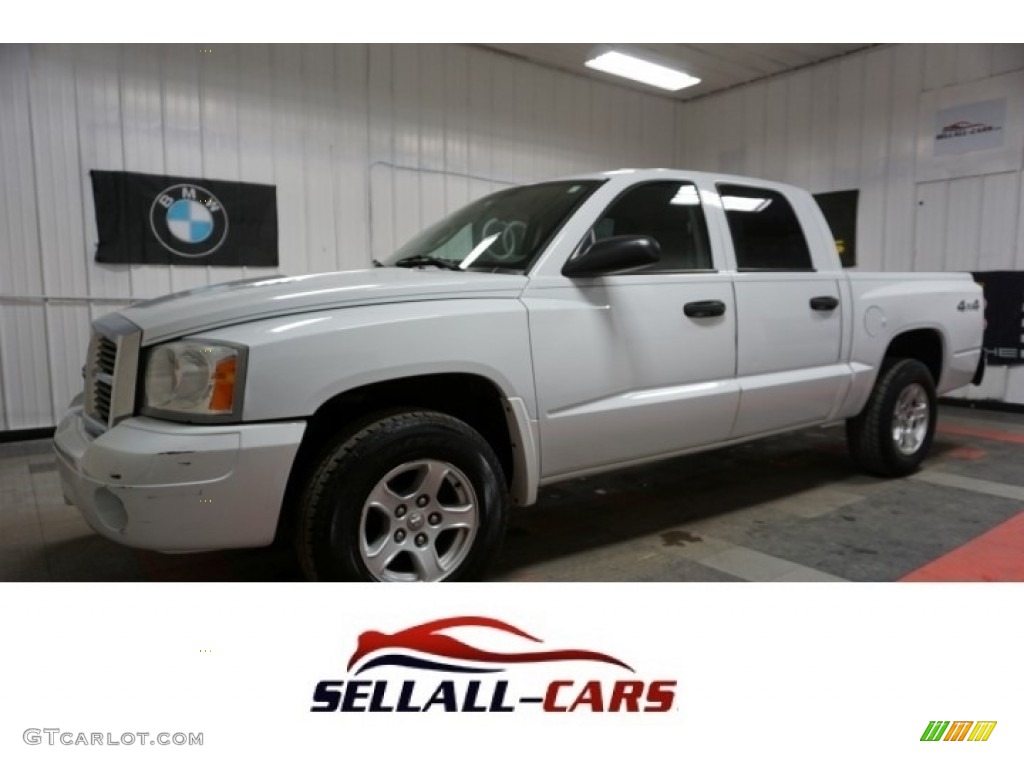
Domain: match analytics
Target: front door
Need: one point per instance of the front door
(630, 367)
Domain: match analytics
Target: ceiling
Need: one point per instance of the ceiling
(718, 65)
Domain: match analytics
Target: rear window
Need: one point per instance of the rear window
(766, 234)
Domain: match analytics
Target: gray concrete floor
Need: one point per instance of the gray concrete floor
(791, 508)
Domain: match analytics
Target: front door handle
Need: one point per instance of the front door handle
(824, 303)
(704, 308)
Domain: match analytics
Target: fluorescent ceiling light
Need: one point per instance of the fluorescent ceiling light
(745, 204)
(624, 65)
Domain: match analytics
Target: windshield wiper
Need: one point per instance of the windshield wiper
(427, 261)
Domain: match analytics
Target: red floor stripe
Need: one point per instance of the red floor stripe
(985, 434)
(996, 555)
(967, 453)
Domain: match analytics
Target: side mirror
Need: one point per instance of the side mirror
(612, 255)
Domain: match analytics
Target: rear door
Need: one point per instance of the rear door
(789, 318)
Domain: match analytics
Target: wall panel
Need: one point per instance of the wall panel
(930, 226)
(184, 128)
(431, 133)
(24, 345)
(905, 85)
(101, 146)
(351, 155)
(999, 221)
(318, 164)
(380, 110)
(143, 132)
(775, 117)
(220, 79)
(963, 224)
(255, 124)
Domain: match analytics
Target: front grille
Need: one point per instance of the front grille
(101, 401)
(99, 378)
(106, 355)
(110, 370)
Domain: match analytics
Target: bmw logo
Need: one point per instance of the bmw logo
(188, 220)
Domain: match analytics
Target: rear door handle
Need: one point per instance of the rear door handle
(824, 303)
(712, 308)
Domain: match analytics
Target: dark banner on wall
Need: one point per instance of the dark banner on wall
(147, 219)
(1004, 317)
(840, 210)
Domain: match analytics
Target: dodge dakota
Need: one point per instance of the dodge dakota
(386, 420)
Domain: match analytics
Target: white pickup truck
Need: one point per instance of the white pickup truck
(388, 418)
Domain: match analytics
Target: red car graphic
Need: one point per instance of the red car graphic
(430, 638)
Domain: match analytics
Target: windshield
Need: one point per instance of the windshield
(505, 231)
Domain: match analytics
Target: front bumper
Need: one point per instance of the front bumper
(178, 487)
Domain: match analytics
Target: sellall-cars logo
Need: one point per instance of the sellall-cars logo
(426, 669)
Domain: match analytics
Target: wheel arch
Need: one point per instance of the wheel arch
(501, 420)
(926, 344)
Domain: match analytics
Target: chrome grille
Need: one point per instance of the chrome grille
(99, 378)
(106, 355)
(110, 372)
(101, 400)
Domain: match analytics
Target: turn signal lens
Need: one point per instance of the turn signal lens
(223, 395)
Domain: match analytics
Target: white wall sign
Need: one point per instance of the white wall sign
(971, 129)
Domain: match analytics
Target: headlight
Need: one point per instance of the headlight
(194, 381)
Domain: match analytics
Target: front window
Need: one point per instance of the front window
(671, 214)
(505, 231)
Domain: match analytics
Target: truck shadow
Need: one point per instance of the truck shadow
(660, 501)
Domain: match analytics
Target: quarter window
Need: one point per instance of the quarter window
(671, 213)
(765, 231)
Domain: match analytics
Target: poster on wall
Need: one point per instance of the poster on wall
(840, 211)
(971, 129)
(143, 218)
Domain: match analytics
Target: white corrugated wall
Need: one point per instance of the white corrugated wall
(852, 124)
(366, 144)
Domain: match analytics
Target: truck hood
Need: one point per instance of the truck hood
(215, 306)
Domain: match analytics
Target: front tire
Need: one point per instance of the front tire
(413, 496)
(894, 432)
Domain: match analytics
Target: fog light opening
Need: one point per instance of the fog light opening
(110, 511)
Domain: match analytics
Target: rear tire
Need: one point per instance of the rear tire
(894, 432)
(412, 496)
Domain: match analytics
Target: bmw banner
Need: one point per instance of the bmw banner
(147, 219)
